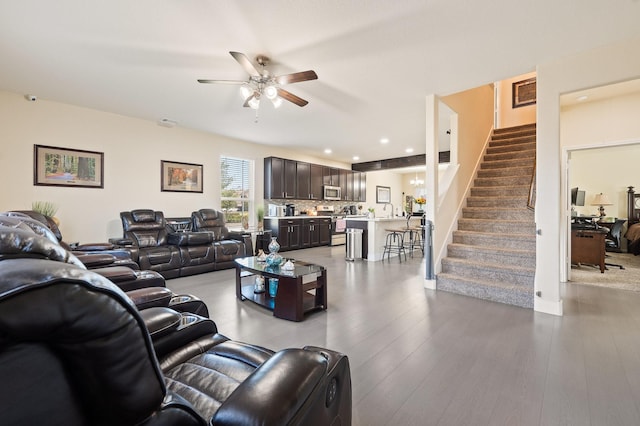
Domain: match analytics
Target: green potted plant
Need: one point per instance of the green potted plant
(372, 213)
(260, 216)
(46, 208)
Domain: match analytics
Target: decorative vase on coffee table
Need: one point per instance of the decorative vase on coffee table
(273, 258)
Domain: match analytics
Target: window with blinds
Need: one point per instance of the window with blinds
(236, 191)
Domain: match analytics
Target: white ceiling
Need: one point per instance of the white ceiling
(376, 59)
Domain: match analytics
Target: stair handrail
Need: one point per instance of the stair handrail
(531, 201)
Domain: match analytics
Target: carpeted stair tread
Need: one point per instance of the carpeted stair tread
(487, 290)
(529, 153)
(491, 191)
(514, 147)
(511, 140)
(498, 201)
(525, 170)
(525, 227)
(498, 213)
(489, 239)
(493, 255)
(512, 162)
(503, 180)
(490, 271)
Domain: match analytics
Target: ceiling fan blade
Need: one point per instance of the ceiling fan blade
(221, 81)
(296, 77)
(245, 63)
(246, 102)
(291, 97)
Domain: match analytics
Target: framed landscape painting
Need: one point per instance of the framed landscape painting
(54, 166)
(180, 177)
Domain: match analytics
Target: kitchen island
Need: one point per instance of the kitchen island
(375, 233)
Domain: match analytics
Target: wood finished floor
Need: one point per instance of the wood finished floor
(422, 357)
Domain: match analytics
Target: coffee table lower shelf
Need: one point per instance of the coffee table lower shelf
(296, 296)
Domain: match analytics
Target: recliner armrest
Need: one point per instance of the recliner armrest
(276, 391)
(121, 242)
(94, 247)
(149, 297)
(94, 260)
(245, 238)
(116, 274)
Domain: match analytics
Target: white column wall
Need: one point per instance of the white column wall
(593, 68)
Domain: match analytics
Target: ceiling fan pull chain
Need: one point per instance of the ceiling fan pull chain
(257, 109)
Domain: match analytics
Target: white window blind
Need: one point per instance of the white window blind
(236, 192)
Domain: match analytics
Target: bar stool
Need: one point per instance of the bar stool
(394, 243)
(415, 239)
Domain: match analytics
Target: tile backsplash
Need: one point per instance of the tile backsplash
(310, 206)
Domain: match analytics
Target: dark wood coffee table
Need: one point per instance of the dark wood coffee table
(300, 291)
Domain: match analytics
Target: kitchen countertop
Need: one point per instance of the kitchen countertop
(302, 216)
(376, 219)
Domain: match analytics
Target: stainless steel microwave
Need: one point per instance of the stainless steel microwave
(332, 193)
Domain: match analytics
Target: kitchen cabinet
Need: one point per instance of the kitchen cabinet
(315, 182)
(346, 184)
(310, 233)
(299, 180)
(303, 180)
(279, 178)
(287, 232)
(331, 176)
(359, 186)
(290, 178)
(300, 232)
(324, 231)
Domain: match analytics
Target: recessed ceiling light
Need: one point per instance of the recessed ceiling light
(384, 140)
(408, 150)
(356, 158)
(583, 98)
(327, 151)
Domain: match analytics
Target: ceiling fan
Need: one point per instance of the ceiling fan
(262, 83)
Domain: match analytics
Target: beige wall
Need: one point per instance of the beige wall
(609, 170)
(507, 116)
(474, 109)
(594, 68)
(132, 150)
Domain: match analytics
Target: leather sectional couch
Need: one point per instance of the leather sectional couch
(75, 350)
(208, 246)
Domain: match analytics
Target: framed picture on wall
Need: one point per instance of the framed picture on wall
(383, 194)
(55, 166)
(523, 93)
(180, 177)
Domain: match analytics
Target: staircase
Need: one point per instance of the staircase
(493, 255)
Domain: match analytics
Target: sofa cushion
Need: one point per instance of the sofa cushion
(143, 215)
(190, 238)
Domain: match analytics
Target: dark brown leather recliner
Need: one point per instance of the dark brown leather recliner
(94, 254)
(227, 245)
(150, 235)
(75, 351)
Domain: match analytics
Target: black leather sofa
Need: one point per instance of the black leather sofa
(227, 245)
(145, 288)
(209, 246)
(74, 351)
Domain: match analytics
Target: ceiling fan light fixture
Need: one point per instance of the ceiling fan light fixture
(245, 91)
(277, 101)
(271, 92)
(254, 103)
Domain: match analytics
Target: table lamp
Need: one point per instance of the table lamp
(601, 200)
